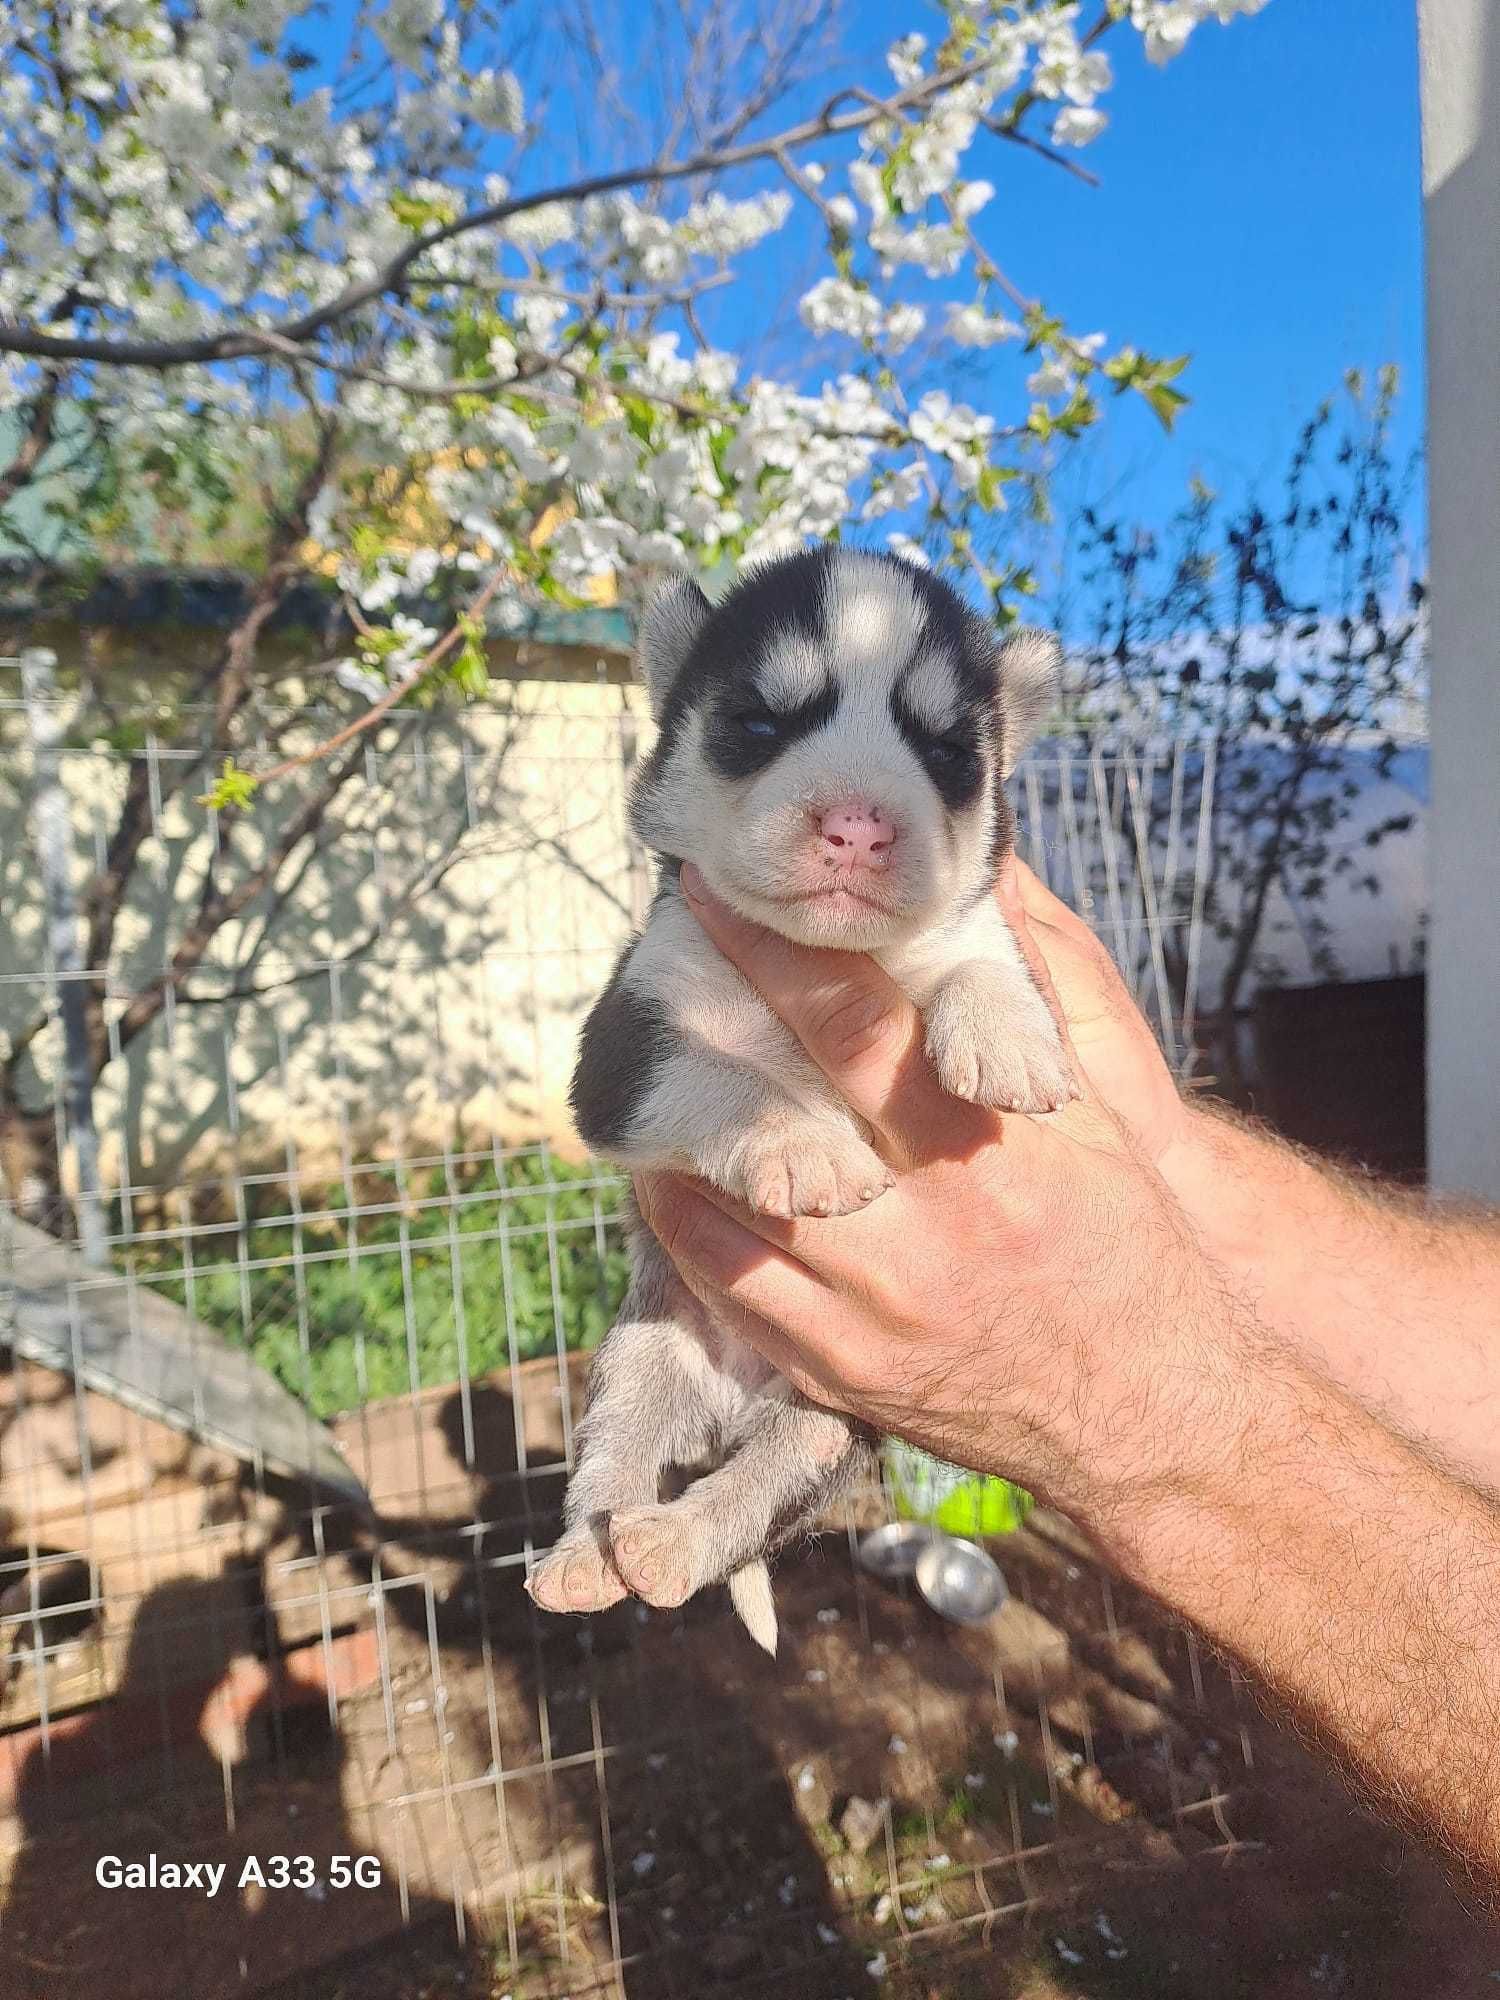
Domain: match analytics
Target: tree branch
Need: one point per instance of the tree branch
(34, 443)
(1013, 136)
(394, 275)
(288, 530)
(434, 657)
(222, 908)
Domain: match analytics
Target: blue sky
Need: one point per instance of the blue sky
(1261, 210)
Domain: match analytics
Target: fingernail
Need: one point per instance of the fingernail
(693, 886)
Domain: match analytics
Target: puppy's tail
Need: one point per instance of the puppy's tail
(750, 1594)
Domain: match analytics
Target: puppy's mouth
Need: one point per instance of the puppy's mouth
(836, 892)
(853, 912)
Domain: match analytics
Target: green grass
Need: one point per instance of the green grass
(361, 1300)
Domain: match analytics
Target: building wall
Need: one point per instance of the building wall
(423, 981)
(1461, 179)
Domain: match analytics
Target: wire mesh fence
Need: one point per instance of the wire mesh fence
(319, 1052)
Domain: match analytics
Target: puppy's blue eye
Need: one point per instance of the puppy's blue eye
(757, 723)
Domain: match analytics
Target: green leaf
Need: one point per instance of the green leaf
(992, 480)
(1165, 400)
(1081, 411)
(419, 213)
(640, 416)
(233, 787)
(470, 671)
(1124, 368)
(1043, 329)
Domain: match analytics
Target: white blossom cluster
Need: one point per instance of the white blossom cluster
(1166, 24)
(167, 176)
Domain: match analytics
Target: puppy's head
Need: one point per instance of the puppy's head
(833, 737)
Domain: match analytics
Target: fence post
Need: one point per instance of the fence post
(50, 834)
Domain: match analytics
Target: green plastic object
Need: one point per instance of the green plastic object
(944, 1496)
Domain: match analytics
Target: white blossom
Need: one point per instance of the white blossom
(495, 100)
(1073, 126)
(972, 326)
(1166, 24)
(834, 305)
(359, 680)
(541, 228)
(501, 354)
(1053, 378)
(904, 59)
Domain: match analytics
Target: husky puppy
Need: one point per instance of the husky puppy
(833, 737)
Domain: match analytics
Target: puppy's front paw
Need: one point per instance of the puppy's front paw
(803, 1170)
(575, 1575)
(993, 1041)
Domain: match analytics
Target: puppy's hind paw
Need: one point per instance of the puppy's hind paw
(656, 1552)
(575, 1575)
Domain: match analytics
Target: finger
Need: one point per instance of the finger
(1061, 934)
(853, 1020)
(1008, 892)
(701, 1234)
(1043, 906)
(1082, 978)
(852, 1257)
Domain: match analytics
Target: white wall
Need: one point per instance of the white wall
(1461, 184)
(458, 1012)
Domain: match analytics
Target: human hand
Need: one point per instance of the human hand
(1025, 1300)
(1111, 1040)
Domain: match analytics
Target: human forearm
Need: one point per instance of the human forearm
(1351, 1577)
(1395, 1304)
(1047, 1299)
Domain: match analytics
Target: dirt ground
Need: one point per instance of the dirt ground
(1072, 1800)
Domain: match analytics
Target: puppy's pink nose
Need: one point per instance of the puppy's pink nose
(856, 834)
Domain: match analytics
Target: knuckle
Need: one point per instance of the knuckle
(850, 1021)
(675, 1222)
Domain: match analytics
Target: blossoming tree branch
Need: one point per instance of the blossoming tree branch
(209, 229)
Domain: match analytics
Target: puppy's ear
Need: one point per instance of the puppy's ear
(1030, 683)
(671, 622)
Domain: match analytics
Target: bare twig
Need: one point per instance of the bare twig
(222, 908)
(1015, 137)
(431, 659)
(233, 673)
(597, 300)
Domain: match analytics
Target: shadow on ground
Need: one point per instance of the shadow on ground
(1077, 1801)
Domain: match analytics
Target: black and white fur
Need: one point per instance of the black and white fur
(820, 678)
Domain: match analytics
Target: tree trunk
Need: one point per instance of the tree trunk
(30, 1169)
